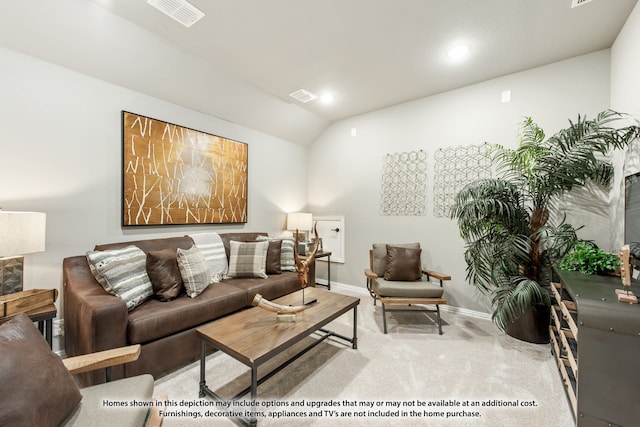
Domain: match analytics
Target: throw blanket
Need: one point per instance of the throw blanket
(212, 248)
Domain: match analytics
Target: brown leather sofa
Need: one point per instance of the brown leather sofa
(95, 320)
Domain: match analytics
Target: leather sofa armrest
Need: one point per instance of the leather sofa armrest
(93, 319)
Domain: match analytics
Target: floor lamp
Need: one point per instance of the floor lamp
(21, 233)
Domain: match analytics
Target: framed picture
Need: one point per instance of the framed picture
(173, 175)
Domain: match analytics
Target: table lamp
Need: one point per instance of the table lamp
(301, 222)
(21, 233)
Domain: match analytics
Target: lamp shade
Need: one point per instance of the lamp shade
(21, 232)
(299, 221)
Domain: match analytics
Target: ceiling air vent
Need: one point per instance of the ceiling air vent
(302, 95)
(180, 10)
(576, 3)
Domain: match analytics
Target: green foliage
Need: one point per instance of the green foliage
(510, 241)
(588, 259)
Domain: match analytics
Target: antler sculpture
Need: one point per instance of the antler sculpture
(302, 265)
(287, 313)
(259, 301)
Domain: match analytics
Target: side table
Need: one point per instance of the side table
(44, 316)
(327, 254)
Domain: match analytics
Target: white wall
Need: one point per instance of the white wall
(625, 67)
(345, 171)
(625, 97)
(60, 137)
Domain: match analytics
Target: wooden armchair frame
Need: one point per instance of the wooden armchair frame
(105, 360)
(371, 276)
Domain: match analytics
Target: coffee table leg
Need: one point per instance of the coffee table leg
(203, 354)
(355, 328)
(254, 394)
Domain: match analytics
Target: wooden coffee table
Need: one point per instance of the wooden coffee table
(254, 336)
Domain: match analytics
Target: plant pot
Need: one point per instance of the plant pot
(532, 326)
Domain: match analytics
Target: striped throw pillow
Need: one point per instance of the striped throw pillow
(193, 269)
(212, 248)
(123, 273)
(247, 259)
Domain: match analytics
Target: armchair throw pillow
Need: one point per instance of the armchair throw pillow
(403, 264)
(37, 389)
(379, 252)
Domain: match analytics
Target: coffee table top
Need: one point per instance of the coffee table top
(255, 335)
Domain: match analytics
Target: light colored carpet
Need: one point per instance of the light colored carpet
(471, 363)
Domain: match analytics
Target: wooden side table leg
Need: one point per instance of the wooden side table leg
(329, 272)
(48, 334)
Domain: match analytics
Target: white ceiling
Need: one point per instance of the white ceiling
(244, 57)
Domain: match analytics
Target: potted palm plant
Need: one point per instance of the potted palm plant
(511, 243)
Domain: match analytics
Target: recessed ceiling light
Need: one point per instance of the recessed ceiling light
(459, 51)
(326, 98)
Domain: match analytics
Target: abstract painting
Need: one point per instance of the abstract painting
(175, 175)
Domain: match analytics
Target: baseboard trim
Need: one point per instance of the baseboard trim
(337, 286)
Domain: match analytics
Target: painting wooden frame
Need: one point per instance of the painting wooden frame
(173, 175)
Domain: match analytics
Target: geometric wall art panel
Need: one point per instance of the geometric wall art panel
(175, 175)
(455, 167)
(403, 189)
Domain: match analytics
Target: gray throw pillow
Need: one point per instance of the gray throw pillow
(193, 269)
(248, 259)
(212, 248)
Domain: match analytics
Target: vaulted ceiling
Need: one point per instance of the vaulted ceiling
(243, 59)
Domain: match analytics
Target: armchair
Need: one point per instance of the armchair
(395, 277)
(39, 389)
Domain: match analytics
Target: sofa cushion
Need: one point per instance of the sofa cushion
(273, 287)
(248, 259)
(123, 273)
(36, 389)
(193, 269)
(404, 289)
(92, 411)
(403, 264)
(155, 319)
(164, 273)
